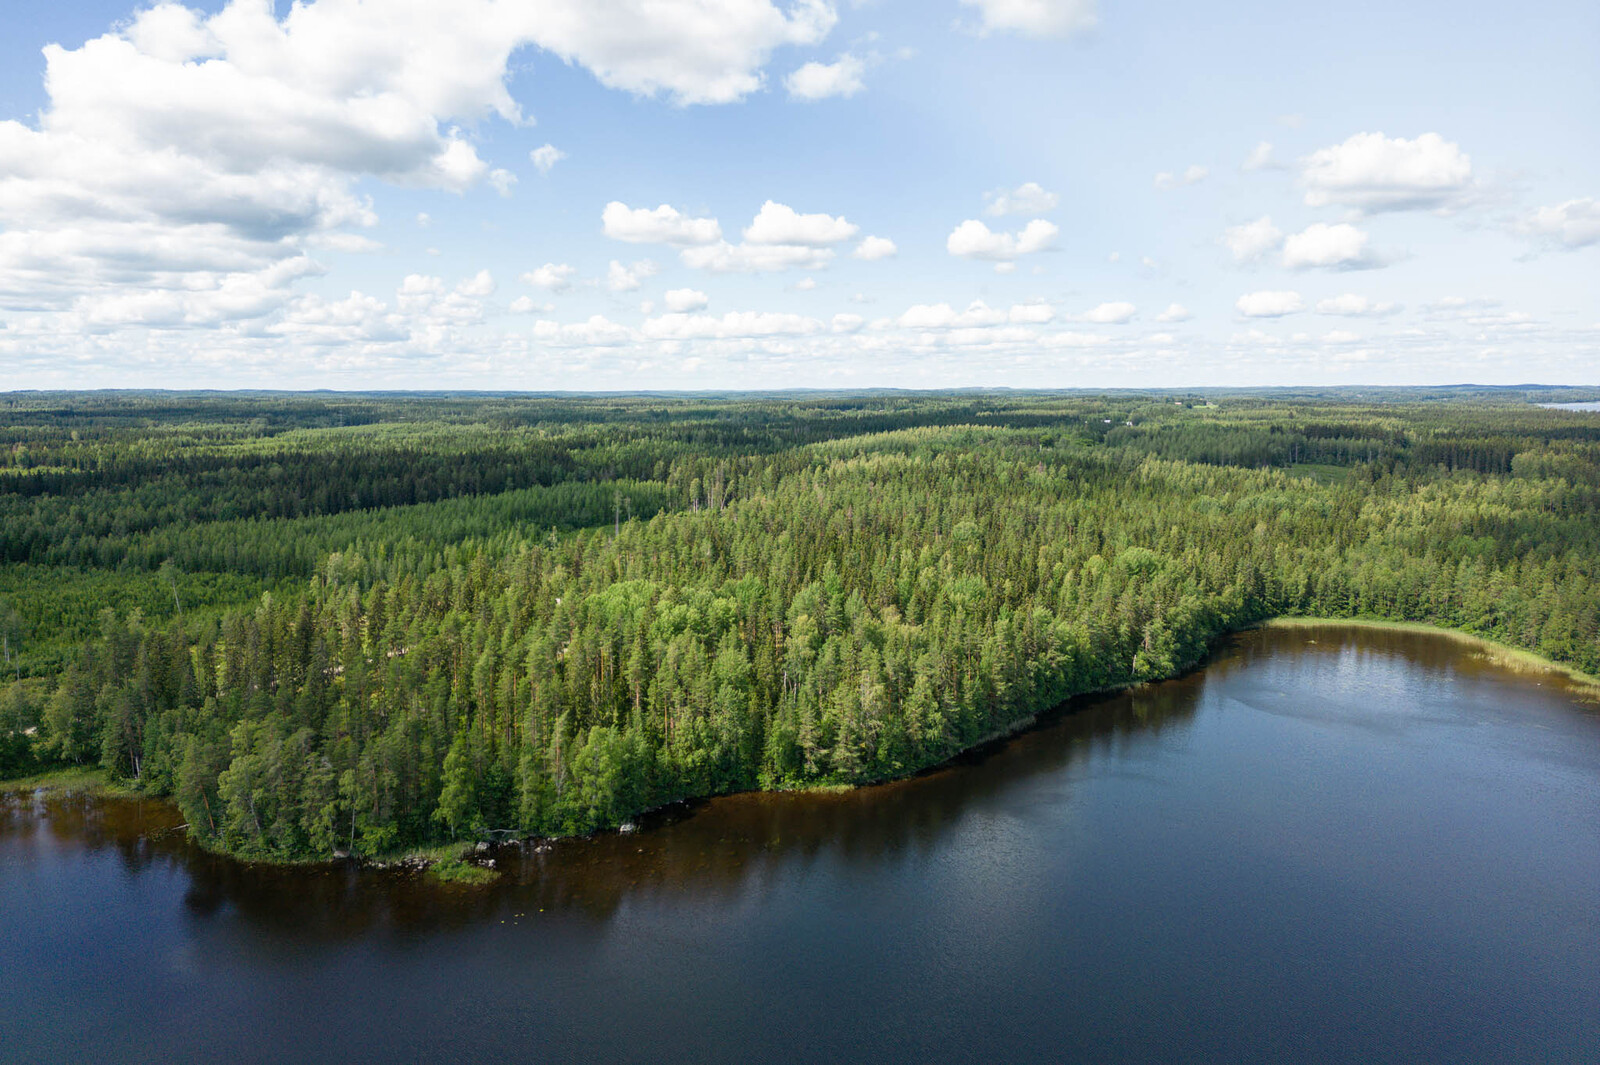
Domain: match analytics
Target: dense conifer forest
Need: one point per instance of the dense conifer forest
(358, 623)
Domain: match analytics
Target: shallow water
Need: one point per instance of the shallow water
(1329, 845)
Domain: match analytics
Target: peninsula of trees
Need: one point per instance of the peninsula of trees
(330, 624)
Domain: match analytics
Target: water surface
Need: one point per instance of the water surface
(1329, 845)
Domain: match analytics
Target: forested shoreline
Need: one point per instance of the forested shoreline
(356, 624)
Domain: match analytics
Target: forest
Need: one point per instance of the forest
(328, 624)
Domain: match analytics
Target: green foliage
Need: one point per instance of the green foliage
(457, 628)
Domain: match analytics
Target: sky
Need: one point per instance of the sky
(750, 194)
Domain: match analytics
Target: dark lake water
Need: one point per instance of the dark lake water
(1328, 845)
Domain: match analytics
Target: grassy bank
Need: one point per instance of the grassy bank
(73, 778)
(1503, 655)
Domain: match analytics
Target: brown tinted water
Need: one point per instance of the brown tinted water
(1328, 845)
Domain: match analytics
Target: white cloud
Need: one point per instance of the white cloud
(1252, 240)
(1341, 246)
(1192, 176)
(691, 51)
(731, 326)
(424, 220)
(546, 156)
(1260, 158)
(620, 278)
(1027, 198)
(778, 238)
(944, 316)
(193, 152)
(1036, 18)
(598, 331)
(1269, 304)
(747, 258)
(874, 248)
(778, 223)
(557, 277)
(974, 240)
(1371, 172)
(1110, 314)
(846, 323)
(805, 284)
(431, 301)
(663, 225)
(1037, 313)
(1175, 312)
(819, 81)
(679, 300)
(503, 181)
(1350, 305)
(529, 305)
(1574, 224)
(1341, 336)
(479, 284)
(1074, 340)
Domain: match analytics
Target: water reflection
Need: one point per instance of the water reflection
(1329, 844)
(707, 850)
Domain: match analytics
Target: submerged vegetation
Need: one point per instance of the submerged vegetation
(367, 623)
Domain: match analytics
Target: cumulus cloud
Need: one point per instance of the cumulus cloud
(819, 81)
(1339, 247)
(1036, 313)
(598, 332)
(1035, 18)
(1371, 172)
(778, 223)
(188, 151)
(557, 277)
(1192, 176)
(1028, 198)
(778, 238)
(529, 305)
(620, 278)
(545, 157)
(750, 258)
(691, 51)
(1175, 312)
(503, 181)
(1118, 313)
(663, 225)
(1574, 224)
(874, 248)
(734, 325)
(1350, 305)
(679, 300)
(432, 303)
(1252, 240)
(1269, 304)
(974, 240)
(978, 315)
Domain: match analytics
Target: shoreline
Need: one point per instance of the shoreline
(456, 858)
(1504, 655)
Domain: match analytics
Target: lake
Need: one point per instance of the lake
(1571, 406)
(1330, 844)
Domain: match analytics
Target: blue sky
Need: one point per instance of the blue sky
(1059, 193)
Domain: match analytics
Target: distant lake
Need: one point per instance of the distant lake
(1571, 406)
(1329, 845)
